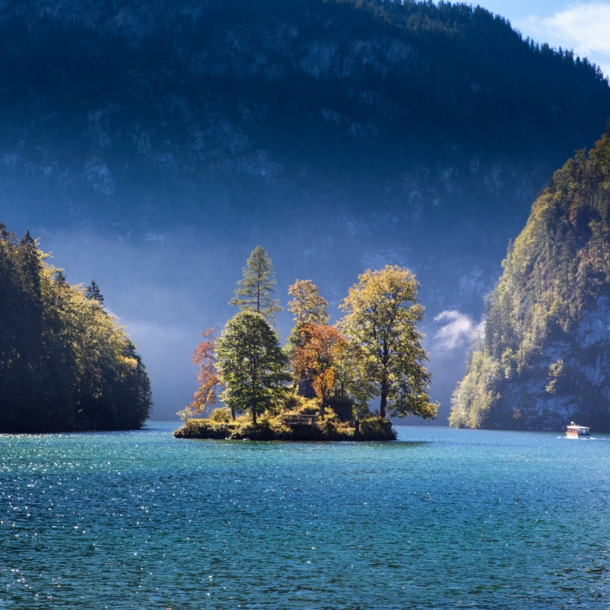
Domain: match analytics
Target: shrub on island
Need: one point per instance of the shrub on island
(275, 428)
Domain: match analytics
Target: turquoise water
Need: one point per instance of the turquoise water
(440, 519)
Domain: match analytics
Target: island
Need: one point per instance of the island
(321, 384)
(290, 427)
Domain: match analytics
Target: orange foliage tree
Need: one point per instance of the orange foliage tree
(210, 384)
(315, 357)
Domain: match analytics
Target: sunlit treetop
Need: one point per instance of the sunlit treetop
(307, 305)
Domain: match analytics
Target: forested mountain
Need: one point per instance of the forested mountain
(65, 364)
(338, 134)
(545, 358)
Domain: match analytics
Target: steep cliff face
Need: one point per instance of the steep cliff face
(545, 358)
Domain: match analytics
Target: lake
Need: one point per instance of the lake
(440, 518)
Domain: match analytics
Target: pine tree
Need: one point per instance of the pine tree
(254, 290)
(64, 363)
(93, 293)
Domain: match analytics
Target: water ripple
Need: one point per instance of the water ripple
(450, 519)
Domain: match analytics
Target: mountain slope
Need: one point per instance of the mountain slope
(340, 135)
(546, 354)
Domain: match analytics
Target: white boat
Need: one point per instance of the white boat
(574, 431)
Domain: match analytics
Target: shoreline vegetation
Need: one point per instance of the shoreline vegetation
(543, 360)
(282, 429)
(320, 385)
(66, 364)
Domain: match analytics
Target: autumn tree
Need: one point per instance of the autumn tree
(381, 313)
(255, 289)
(210, 384)
(251, 364)
(315, 359)
(307, 305)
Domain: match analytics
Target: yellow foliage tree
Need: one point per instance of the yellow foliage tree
(381, 313)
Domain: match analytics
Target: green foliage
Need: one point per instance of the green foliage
(256, 286)
(252, 365)
(64, 362)
(531, 371)
(376, 428)
(298, 404)
(272, 427)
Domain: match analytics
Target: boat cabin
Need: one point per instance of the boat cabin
(575, 431)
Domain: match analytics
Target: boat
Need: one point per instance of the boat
(574, 431)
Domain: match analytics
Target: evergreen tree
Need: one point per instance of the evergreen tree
(251, 364)
(254, 290)
(92, 292)
(546, 321)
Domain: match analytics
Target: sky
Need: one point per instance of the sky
(581, 26)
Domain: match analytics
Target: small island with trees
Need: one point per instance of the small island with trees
(320, 385)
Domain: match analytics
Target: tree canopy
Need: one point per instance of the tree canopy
(210, 383)
(307, 305)
(251, 364)
(93, 292)
(381, 312)
(65, 363)
(375, 350)
(255, 289)
(315, 358)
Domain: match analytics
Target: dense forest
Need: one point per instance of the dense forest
(288, 96)
(65, 363)
(245, 112)
(545, 356)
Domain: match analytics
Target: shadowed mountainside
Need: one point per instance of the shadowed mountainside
(340, 135)
(546, 352)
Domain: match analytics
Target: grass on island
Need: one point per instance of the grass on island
(278, 426)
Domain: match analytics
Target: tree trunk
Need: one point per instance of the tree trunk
(383, 403)
(254, 416)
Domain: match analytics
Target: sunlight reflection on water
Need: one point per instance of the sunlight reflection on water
(441, 519)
